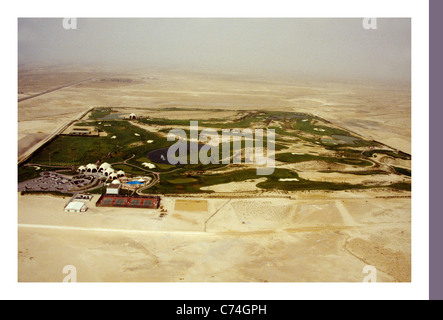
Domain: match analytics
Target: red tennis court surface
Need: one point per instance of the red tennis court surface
(107, 200)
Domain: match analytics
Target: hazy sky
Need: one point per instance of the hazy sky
(319, 47)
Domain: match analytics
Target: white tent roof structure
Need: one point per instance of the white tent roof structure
(76, 206)
(115, 182)
(105, 165)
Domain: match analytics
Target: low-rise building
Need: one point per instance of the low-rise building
(76, 206)
(114, 187)
(81, 131)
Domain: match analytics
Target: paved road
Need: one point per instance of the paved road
(53, 89)
(27, 154)
(214, 233)
(112, 230)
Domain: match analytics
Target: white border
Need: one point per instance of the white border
(418, 10)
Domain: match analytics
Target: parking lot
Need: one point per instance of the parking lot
(53, 181)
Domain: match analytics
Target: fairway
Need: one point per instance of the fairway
(303, 141)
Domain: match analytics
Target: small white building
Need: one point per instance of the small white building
(81, 131)
(114, 187)
(76, 206)
(132, 116)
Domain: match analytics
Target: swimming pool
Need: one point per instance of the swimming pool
(134, 182)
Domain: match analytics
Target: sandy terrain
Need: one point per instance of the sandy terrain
(27, 141)
(378, 111)
(245, 240)
(243, 186)
(377, 179)
(315, 236)
(191, 205)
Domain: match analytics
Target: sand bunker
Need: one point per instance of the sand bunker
(149, 165)
(261, 211)
(244, 186)
(191, 205)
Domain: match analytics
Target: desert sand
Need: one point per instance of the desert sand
(310, 236)
(378, 111)
(270, 239)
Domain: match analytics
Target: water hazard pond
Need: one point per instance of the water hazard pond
(161, 155)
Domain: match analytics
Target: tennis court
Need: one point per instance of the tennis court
(149, 202)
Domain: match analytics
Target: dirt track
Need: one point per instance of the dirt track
(300, 240)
